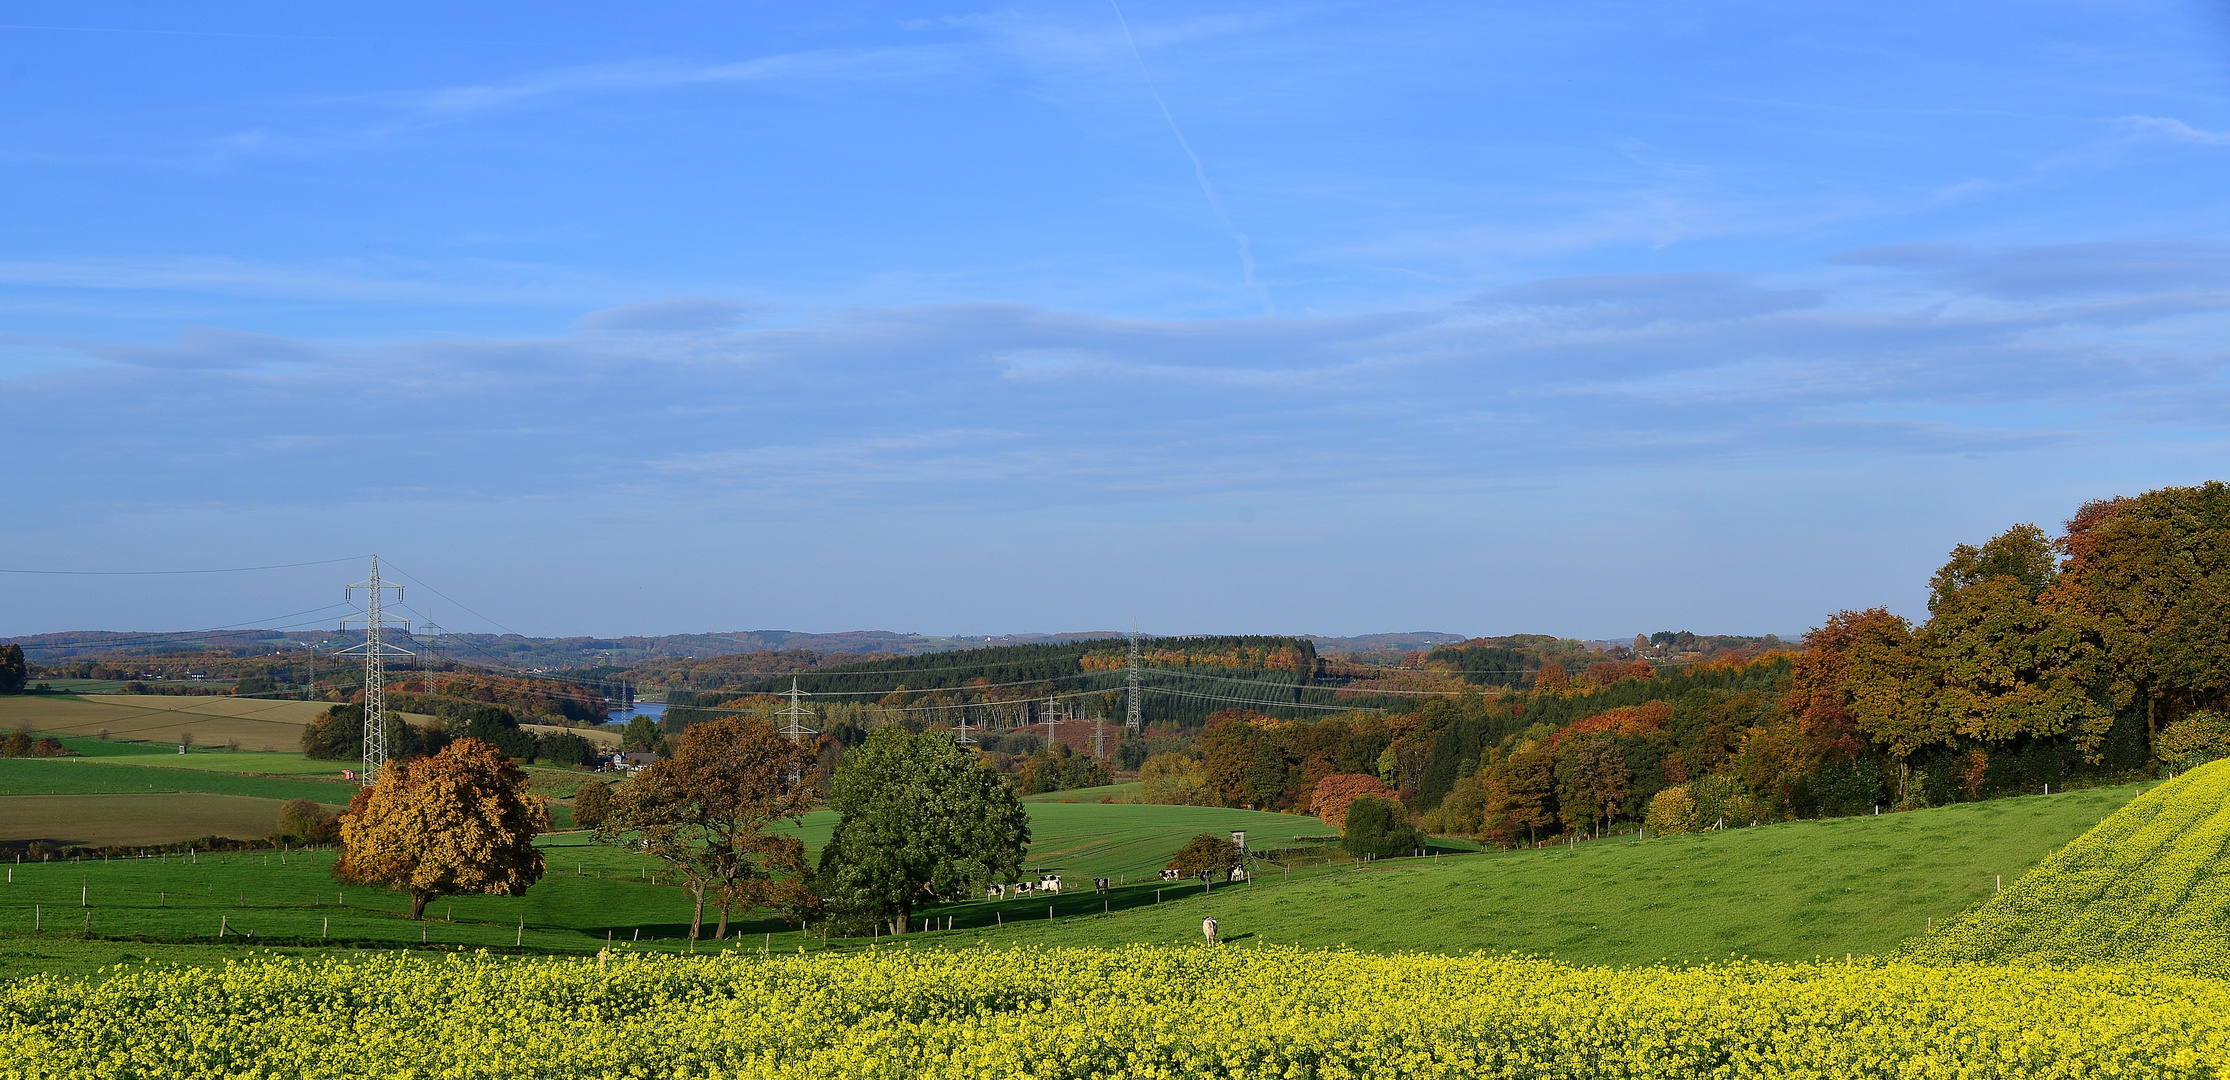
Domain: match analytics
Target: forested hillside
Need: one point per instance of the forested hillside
(2099, 654)
(1183, 680)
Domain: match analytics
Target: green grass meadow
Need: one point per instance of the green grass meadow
(93, 776)
(592, 893)
(1789, 891)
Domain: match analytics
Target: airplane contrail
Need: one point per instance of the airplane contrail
(1246, 252)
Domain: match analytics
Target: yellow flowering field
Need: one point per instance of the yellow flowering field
(1205, 1011)
(2148, 886)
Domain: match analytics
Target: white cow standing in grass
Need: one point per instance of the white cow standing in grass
(1049, 883)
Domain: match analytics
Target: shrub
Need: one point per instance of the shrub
(2194, 740)
(1379, 827)
(1671, 811)
(592, 805)
(1174, 779)
(1463, 810)
(306, 821)
(1207, 851)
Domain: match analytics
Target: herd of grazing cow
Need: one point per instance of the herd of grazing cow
(1051, 883)
(1045, 883)
(1236, 874)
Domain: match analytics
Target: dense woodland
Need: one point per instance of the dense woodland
(2101, 653)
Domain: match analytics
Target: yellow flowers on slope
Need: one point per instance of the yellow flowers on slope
(2149, 885)
(1107, 1013)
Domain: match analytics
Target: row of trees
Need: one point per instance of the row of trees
(2103, 652)
(338, 735)
(921, 821)
(2040, 655)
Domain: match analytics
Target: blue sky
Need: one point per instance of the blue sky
(1586, 319)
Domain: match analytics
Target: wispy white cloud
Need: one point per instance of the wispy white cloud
(443, 282)
(2168, 127)
(452, 102)
(1010, 405)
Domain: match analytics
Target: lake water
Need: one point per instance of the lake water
(656, 710)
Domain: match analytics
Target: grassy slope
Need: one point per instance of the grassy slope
(1786, 892)
(134, 820)
(2148, 886)
(258, 724)
(1085, 795)
(591, 891)
(87, 776)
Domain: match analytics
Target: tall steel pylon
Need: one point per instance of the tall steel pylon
(960, 732)
(1134, 720)
(1051, 721)
(433, 644)
(376, 652)
(794, 715)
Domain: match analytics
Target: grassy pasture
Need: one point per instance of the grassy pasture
(257, 723)
(1091, 840)
(1792, 891)
(102, 820)
(83, 776)
(591, 891)
(605, 738)
(82, 686)
(1085, 795)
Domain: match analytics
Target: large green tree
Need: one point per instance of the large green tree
(923, 821)
(2150, 577)
(2004, 667)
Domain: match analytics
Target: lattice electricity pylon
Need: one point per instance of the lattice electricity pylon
(376, 652)
(1052, 720)
(1134, 719)
(960, 733)
(795, 715)
(433, 644)
(1099, 736)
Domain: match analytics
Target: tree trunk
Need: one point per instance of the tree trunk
(722, 933)
(418, 903)
(697, 917)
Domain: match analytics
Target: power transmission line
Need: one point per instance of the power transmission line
(794, 716)
(376, 653)
(1135, 718)
(175, 573)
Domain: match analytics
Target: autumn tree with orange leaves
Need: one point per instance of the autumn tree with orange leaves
(1329, 801)
(460, 821)
(706, 809)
